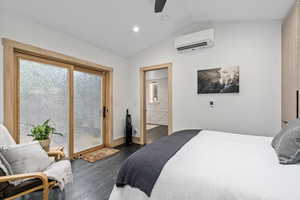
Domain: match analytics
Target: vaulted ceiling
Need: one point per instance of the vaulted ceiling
(108, 23)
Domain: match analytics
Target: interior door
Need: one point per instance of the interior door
(89, 110)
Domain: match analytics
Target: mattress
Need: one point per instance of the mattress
(222, 166)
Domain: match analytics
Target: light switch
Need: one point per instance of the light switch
(211, 104)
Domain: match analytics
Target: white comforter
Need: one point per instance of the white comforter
(222, 166)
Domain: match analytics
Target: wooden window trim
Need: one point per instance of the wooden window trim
(68, 67)
(13, 48)
(51, 55)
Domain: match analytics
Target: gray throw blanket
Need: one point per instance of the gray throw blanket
(61, 172)
(142, 169)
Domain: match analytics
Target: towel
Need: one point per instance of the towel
(61, 172)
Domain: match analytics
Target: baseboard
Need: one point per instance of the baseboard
(117, 142)
(120, 141)
(136, 140)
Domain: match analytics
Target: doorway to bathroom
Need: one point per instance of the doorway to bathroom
(156, 102)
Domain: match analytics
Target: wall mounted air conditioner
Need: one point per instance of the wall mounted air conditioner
(194, 41)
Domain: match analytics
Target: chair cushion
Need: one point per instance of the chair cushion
(8, 190)
(26, 158)
(26, 185)
(4, 165)
(3, 185)
(12, 190)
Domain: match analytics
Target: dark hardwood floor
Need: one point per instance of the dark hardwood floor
(154, 134)
(92, 181)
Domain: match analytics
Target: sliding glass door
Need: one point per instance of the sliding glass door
(71, 97)
(44, 95)
(88, 106)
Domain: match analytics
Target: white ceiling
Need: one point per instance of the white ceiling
(108, 23)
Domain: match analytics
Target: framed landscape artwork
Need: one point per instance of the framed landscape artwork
(219, 80)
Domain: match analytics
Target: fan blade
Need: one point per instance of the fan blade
(159, 5)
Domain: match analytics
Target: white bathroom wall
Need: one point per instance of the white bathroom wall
(157, 113)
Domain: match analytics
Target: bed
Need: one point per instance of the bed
(221, 166)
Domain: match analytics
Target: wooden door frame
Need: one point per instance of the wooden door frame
(143, 71)
(69, 69)
(10, 51)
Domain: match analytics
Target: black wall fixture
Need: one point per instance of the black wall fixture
(159, 5)
(128, 129)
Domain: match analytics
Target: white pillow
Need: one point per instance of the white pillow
(5, 137)
(4, 165)
(26, 158)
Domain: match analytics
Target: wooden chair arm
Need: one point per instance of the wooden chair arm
(43, 177)
(57, 154)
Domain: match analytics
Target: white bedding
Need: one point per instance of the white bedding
(222, 166)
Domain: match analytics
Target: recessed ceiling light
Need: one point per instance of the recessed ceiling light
(136, 29)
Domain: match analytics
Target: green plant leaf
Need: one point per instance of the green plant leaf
(57, 133)
(43, 131)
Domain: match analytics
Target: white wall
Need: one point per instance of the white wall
(256, 48)
(26, 31)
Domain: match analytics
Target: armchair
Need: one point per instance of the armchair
(34, 181)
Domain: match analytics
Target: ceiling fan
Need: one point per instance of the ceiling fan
(159, 5)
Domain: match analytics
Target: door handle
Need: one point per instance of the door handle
(297, 104)
(104, 112)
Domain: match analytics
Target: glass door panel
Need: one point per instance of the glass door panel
(44, 94)
(88, 132)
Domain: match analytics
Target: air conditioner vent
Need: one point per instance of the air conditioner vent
(193, 41)
(201, 44)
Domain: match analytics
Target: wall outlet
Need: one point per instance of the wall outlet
(135, 131)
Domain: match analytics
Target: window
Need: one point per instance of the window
(43, 96)
(153, 92)
(88, 105)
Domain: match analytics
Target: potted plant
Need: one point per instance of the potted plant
(43, 133)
